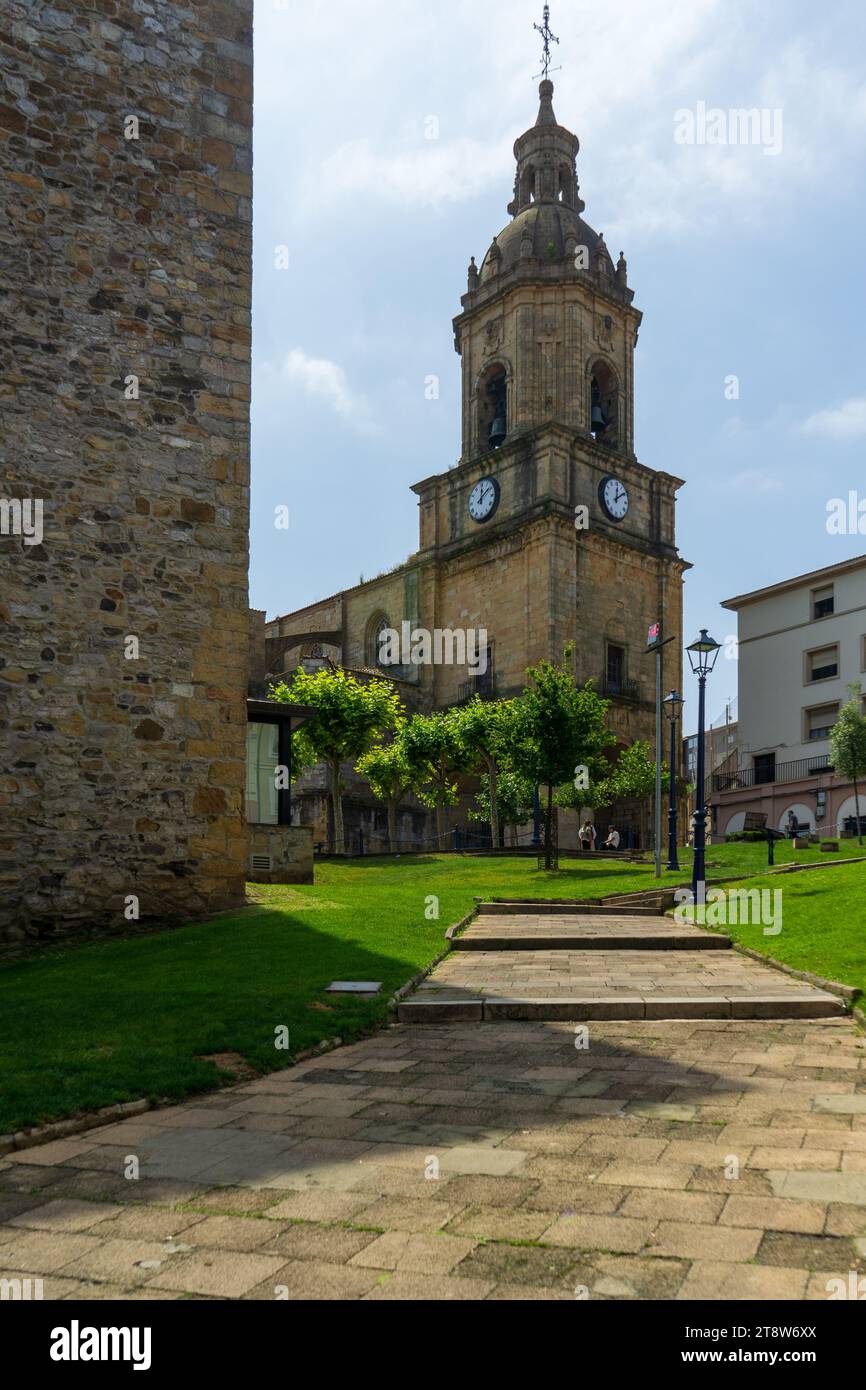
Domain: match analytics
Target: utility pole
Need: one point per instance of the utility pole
(655, 642)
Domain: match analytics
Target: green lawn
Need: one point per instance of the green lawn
(90, 1024)
(823, 923)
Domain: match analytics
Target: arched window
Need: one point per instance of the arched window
(378, 624)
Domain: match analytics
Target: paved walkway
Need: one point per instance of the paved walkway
(667, 1160)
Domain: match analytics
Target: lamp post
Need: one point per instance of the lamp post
(702, 658)
(673, 703)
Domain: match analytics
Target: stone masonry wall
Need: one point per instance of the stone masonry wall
(125, 266)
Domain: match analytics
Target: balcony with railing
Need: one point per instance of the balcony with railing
(768, 773)
(618, 687)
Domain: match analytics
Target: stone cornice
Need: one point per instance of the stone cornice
(534, 275)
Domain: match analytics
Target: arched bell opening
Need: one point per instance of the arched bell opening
(527, 186)
(604, 404)
(493, 407)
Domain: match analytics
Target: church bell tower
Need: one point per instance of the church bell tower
(548, 328)
(549, 530)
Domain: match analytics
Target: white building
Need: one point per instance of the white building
(801, 643)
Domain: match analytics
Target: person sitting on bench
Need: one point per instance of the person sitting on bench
(612, 841)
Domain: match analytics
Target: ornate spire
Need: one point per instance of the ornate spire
(547, 34)
(545, 110)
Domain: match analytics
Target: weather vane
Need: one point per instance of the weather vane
(547, 34)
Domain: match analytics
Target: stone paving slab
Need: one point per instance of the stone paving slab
(676, 1160)
(584, 931)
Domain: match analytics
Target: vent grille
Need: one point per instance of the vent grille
(261, 863)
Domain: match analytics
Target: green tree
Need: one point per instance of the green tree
(557, 729)
(848, 744)
(634, 779)
(435, 753)
(514, 800)
(484, 730)
(350, 716)
(390, 776)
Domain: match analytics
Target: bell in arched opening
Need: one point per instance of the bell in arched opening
(598, 420)
(498, 429)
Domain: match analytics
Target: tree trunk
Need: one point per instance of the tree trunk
(857, 810)
(494, 810)
(442, 809)
(392, 824)
(337, 804)
(548, 826)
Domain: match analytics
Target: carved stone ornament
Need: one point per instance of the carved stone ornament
(604, 330)
(493, 334)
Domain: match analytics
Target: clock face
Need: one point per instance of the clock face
(484, 499)
(614, 498)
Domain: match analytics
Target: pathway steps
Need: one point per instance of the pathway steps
(569, 962)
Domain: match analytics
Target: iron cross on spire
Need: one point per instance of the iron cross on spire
(547, 34)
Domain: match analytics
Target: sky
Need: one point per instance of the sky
(746, 258)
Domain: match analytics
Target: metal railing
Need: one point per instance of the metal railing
(764, 776)
(620, 687)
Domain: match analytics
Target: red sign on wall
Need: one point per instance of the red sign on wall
(654, 632)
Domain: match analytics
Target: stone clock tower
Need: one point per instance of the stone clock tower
(549, 530)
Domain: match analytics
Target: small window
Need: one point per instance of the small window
(823, 664)
(615, 669)
(823, 602)
(819, 721)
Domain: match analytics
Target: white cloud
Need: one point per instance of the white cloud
(429, 174)
(318, 378)
(846, 421)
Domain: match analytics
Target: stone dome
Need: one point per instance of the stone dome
(539, 231)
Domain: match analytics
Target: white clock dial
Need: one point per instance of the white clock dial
(484, 499)
(614, 498)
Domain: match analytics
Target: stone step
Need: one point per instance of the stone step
(617, 929)
(563, 907)
(562, 937)
(576, 985)
(794, 1004)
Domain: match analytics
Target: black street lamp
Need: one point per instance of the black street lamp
(673, 703)
(702, 659)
